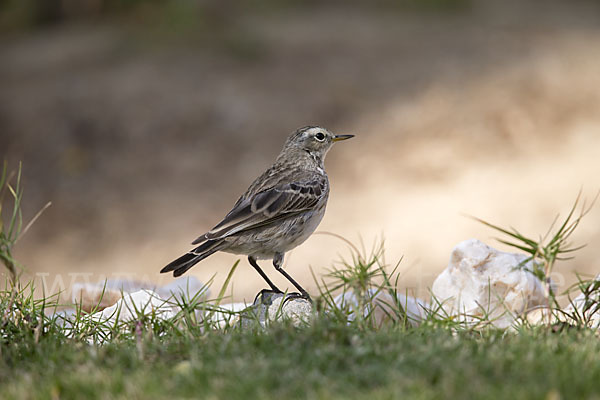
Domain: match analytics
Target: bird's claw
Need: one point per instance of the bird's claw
(266, 294)
(296, 295)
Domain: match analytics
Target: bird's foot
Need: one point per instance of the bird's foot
(296, 295)
(265, 295)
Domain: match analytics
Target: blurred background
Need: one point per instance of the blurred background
(143, 121)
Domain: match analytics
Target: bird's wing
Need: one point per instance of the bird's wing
(269, 205)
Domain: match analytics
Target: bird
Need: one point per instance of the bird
(278, 212)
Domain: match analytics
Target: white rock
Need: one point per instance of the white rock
(132, 306)
(587, 309)
(415, 309)
(542, 315)
(63, 318)
(97, 296)
(386, 308)
(482, 282)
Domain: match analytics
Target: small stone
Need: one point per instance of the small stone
(540, 316)
(386, 308)
(586, 308)
(63, 318)
(296, 309)
(270, 306)
(403, 308)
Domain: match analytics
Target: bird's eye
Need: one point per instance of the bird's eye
(320, 136)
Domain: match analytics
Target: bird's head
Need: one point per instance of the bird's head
(313, 139)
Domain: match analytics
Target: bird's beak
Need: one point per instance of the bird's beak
(338, 138)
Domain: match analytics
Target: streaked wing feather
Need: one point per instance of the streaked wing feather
(200, 239)
(276, 206)
(268, 206)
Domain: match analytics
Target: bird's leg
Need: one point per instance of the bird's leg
(277, 263)
(253, 262)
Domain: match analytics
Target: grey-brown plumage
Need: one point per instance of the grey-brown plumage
(279, 211)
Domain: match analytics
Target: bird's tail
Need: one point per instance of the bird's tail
(192, 257)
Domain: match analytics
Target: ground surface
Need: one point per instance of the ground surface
(324, 361)
(143, 139)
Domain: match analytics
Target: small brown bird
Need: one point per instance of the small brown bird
(278, 212)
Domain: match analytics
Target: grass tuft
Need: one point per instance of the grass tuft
(11, 226)
(547, 249)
